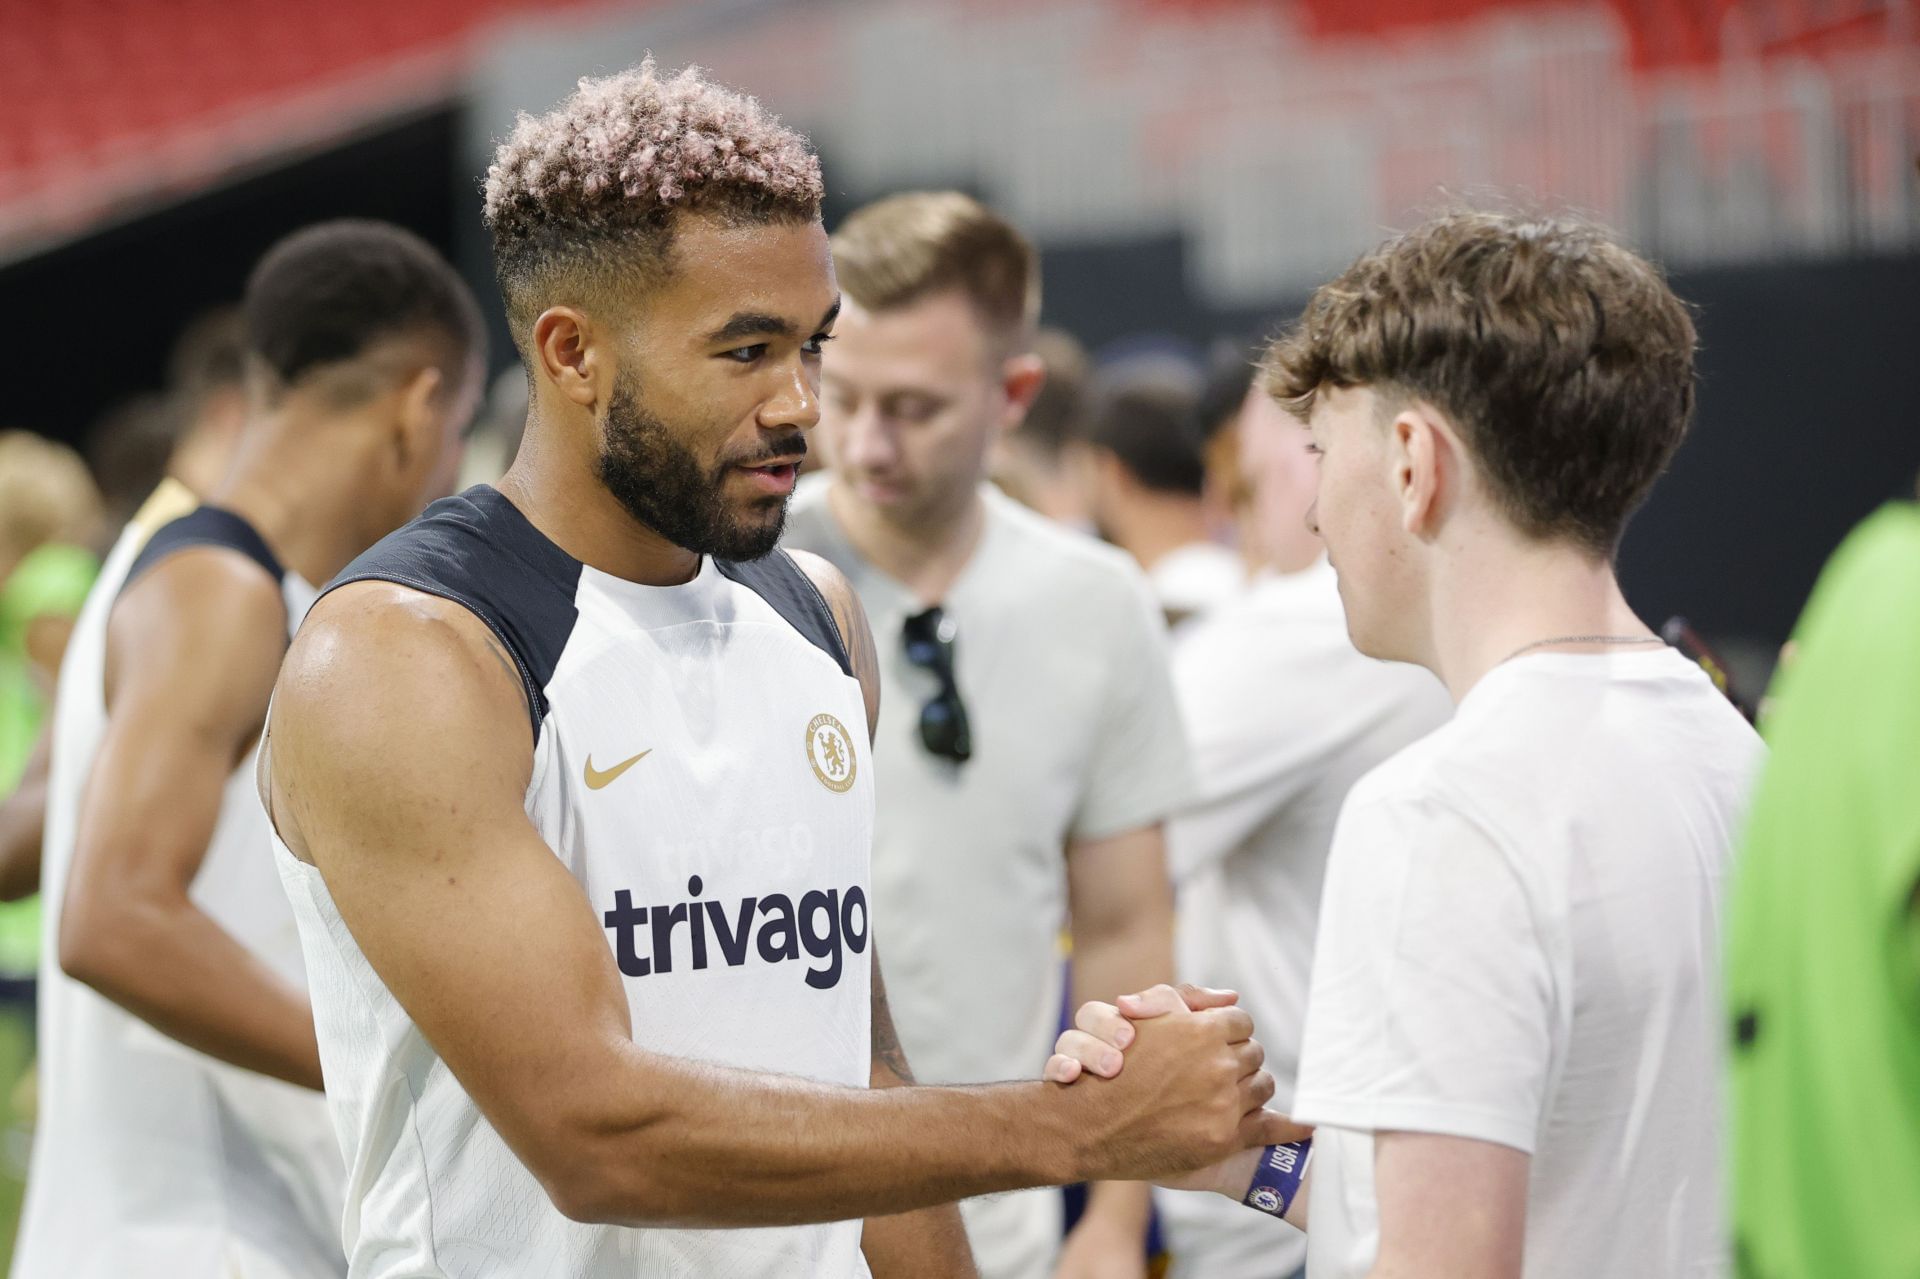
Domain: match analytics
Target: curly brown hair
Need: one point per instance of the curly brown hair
(1563, 358)
(580, 197)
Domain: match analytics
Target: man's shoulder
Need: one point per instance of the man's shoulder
(478, 552)
(373, 638)
(1445, 780)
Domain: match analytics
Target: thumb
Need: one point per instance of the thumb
(1157, 1002)
(1198, 997)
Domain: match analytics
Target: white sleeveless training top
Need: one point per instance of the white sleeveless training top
(151, 1159)
(701, 767)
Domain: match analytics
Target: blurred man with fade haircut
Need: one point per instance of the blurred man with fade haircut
(573, 788)
(1146, 489)
(1285, 716)
(1512, 1047)
(1036, 748)
(180, 1127)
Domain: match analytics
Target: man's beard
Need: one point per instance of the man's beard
(660, 482)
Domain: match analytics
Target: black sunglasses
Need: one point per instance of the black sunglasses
(943, 720)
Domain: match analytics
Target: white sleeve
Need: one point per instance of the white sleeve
(1431, 1007)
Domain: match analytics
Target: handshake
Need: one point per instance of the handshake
(1174, 1089)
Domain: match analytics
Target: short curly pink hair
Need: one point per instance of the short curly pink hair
(611, 167)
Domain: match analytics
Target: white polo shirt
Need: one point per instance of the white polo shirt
(1060, 658)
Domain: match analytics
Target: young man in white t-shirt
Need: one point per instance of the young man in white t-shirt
(1285, 716)
(1033, 747)
(1510, 1047)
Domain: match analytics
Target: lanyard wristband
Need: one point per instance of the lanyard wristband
(1277, 1177)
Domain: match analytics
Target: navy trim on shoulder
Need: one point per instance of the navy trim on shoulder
(205, 526)
(785, 585)
(477, 550)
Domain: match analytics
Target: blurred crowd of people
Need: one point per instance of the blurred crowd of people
(1123, 714)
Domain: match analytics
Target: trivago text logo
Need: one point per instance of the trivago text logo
(825, 924)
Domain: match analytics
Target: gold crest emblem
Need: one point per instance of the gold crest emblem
(830, 751)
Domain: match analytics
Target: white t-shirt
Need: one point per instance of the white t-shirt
(1060, 659)
(1519, 944)
(1285, 716)
(1196, 578)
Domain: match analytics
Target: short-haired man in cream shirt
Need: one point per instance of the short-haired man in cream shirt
(1031, 747)
(1285, 715)
(1512, 1049)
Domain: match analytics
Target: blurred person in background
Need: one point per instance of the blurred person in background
(1034, 461)
(495, 437)
(206, 379)
(1823, 958)
(1216, 413)
(1035, 748)
(151, 456)
(1146, 491)
(49, 515)
(176, 443)
(1285, 715)
(177, 1133)
(128, 449)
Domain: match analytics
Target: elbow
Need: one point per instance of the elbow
(98, 945)
(84, 955)
(579, 1198)
(591, 1201)
(595, 1177)
(593, 1193)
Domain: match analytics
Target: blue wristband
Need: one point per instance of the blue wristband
(1277, 1177)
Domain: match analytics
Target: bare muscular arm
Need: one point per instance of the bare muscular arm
(192, 648)
(400, 759)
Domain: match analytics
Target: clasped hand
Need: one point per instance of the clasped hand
(1098, 1045)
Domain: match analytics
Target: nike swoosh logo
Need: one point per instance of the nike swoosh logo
(596, 779)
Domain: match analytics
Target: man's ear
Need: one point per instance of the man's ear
(567, 354)
(417, 423)
(1424, 454)
(1021, 378)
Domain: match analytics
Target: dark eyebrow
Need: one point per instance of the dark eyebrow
(758, 324)
(750, 324)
